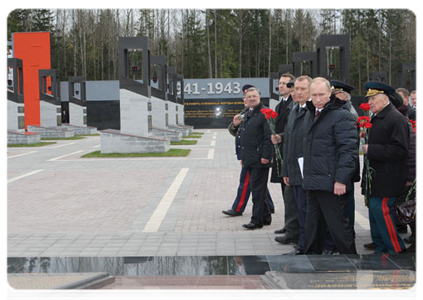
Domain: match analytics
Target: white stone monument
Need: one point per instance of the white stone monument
(78, 117)
(136, 119)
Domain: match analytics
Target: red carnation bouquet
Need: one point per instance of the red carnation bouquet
(415, 125)
(365, 126)
(414, 190)
(270, 115)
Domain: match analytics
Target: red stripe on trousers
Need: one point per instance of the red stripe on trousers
(244, 192)
(389, 224)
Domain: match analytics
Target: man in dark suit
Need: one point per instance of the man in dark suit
(291, 226)
(405, 94)
(415, 100)
(293, 154)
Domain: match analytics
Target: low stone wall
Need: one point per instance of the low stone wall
(22, 138)
(80, 130)
(188, 127)
(51, 132)
(173, 135)
(183, 130)
(113, 141)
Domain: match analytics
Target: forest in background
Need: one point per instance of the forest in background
(221, 43)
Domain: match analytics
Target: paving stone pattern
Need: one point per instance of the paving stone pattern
(100, 206)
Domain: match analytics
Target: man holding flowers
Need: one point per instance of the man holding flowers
(256, 155)
(386, 152)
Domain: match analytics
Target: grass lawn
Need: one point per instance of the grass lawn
(193, 135)
(184, 142)
(40, 144)
(170, 153)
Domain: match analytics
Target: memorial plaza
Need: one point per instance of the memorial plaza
(154, 222)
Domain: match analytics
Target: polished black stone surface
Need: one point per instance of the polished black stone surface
(377, 279)
(212, 265)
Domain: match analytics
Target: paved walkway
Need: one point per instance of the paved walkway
(60, 204)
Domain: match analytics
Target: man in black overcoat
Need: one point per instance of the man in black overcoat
(291, 226)
(386, 151)
(330, 153)
(256, 154)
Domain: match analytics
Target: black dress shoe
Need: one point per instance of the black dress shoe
(402, 228)
(294, 252)
(285, 240)
(329, 252)
(231, 212)
(370, 246)
(410, 239)
(412, 249)
(252, 226)
(279, 231)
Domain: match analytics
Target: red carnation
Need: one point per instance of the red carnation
(368, 125)
(362, 121)
(365, 106)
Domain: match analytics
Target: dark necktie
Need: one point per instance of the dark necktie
(317, 114)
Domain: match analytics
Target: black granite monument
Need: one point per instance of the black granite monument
(305, 63)
(407, 76)
(325, 68)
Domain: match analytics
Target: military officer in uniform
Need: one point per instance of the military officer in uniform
(386, 151)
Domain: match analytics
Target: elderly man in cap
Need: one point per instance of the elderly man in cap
(342, 91)
(244, 190)
(386, 152)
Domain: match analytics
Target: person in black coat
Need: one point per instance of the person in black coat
(291, 226)
(342, 91)
(293, 152)
(411, 173)
(256, 154)
(330, 153)
(243, 193)
(386, 151)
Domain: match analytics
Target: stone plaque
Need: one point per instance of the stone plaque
(394, 284)
(21, 122)
(150, 123)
